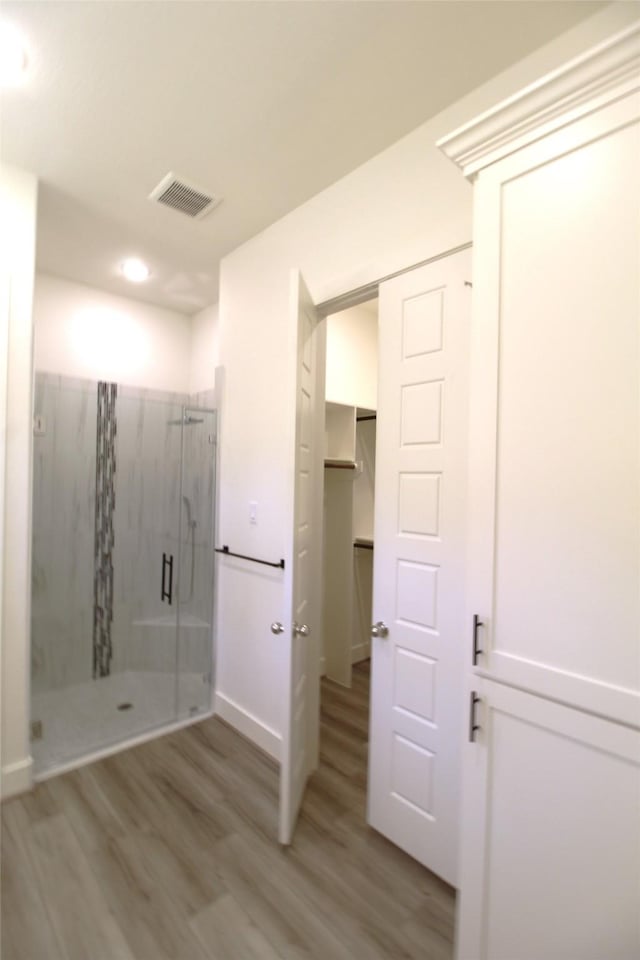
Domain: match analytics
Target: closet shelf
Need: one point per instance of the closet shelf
(339, 465)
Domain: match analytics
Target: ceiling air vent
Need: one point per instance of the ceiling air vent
(176, 192)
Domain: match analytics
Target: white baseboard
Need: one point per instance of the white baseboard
(360, 651)
(249, 726)
(16, 778)
(323, 666)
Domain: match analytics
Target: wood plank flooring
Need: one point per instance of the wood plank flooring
(167, 852)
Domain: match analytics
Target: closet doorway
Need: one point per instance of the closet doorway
(349, 489)
(348, 550)
(394, 629)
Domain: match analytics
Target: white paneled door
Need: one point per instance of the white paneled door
(304, 579)
(416, 690)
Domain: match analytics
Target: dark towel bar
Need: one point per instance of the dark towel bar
(242, 556)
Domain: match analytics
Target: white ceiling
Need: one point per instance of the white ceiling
(265, 103)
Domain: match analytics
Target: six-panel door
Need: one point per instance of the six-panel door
(416, 699)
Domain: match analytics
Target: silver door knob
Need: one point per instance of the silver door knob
(277, 627)
(301, 630)
(380, 629)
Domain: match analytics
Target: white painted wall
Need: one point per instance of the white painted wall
(352, 357)
(364, 482)
(81, 331)
(362, 605)
(405, 205)
(18, 200)
(363, 522)
(338, 575)
(205, 353)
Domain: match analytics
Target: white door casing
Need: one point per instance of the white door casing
(416, 686)
(303, 579)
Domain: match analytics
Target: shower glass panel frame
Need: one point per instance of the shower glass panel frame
(123, 572)
(195, 592)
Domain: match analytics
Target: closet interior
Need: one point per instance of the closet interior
(349, 489)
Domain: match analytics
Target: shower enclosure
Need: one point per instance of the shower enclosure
(122, 565)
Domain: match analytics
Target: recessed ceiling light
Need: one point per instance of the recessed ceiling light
(135, 270)
(13, 56)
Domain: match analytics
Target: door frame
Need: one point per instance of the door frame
(351, 298)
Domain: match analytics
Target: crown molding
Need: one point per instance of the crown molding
(586, 83)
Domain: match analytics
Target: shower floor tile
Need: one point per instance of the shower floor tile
(83, 718)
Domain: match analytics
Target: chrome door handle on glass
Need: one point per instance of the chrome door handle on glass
(380, 629)
(300, 630)
(277, 627)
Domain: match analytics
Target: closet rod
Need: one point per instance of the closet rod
(242, 556)
(339, 465)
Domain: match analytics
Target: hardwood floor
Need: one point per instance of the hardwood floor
(167, 850)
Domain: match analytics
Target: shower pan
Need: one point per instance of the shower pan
(122, 569)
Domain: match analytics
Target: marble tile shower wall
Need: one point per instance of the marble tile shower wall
(146, 525)
(64, 477)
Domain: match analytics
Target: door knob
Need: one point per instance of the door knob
(380, 629)
(277, 627)
(300, 630)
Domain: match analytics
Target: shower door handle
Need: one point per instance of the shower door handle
(167, 565)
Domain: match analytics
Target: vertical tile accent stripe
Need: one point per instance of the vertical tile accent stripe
(106, 430)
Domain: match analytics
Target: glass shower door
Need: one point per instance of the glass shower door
(106, 554)
(146, 559)
(196, 573)
(123, 547)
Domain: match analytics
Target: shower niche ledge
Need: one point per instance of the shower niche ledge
(187, 620)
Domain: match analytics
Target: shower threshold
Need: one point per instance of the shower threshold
(187, 621)
(85, 722)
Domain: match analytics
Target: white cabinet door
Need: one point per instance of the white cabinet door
(551, 833)
(416, 684)
(550, 846)
(555, 416)
(303, 582)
